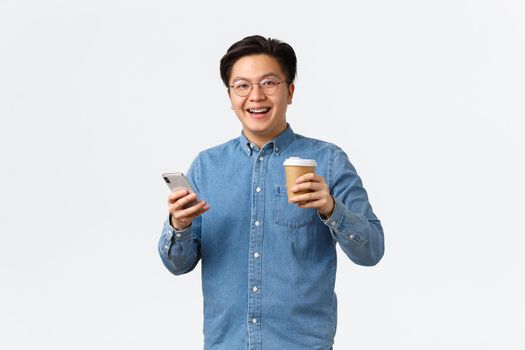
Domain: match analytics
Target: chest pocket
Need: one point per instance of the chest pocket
(289, 214)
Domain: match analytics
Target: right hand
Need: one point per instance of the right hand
(182, 218)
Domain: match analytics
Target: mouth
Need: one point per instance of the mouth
(258, 113)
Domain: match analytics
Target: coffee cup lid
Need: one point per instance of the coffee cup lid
(298, 161)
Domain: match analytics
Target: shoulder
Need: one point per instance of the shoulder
(319, 144)
(221, 149)
(320, 149)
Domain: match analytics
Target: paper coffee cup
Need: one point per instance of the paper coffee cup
(295, 167)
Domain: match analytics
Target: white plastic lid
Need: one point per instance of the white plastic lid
(298, 161)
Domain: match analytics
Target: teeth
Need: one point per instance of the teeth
(259, 110)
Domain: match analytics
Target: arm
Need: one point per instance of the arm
(179, 244)
(352, 223)
(180, 250)
(343, 206)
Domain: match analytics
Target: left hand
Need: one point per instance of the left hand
(319, 197)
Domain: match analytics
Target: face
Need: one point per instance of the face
(263, 116)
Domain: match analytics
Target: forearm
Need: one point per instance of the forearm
(361, 238)
(178, 250)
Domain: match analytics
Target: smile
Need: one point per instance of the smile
(259, 110)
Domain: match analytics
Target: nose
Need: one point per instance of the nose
(256, 93)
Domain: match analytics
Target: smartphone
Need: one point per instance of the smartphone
(177, 182)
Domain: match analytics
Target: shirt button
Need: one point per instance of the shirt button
(258, 189)
(254, 289)
(261, 158)
(178, 235)
(256, 254)
(257, 223)
(351, 236)
(254, 320)
(333, 222)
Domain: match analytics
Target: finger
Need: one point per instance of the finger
(200, 212)
(317, 178)
(185, 217)
(307, 197)
(305, 178)
(185, 200)
(203, 210)
(312, 204)
(176, 195)
(178, 205)
(192, 211)
(307, 186)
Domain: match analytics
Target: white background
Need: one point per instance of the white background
(97, 98)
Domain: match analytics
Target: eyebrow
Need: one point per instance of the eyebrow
(262, 77)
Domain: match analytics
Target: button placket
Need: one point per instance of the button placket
(255, 264)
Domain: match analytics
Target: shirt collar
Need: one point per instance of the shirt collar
(279, 143)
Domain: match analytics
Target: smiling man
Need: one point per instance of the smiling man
(260, 106)
(268, 263)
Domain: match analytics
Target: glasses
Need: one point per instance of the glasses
(268, 86)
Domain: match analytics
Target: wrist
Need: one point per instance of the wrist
(176, 226)
(325, 214)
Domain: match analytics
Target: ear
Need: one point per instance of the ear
(291, 89)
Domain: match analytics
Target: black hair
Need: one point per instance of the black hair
(256, 44)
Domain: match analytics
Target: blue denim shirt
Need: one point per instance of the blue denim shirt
(268, 266)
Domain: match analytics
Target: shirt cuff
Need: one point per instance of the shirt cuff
(335, 219)
(338, 223)
(172, 232)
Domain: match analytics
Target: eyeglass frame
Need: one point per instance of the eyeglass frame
(260, 87)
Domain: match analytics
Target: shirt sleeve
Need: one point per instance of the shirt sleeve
(353, 224)
(179, 250)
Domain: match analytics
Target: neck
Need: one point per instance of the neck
(261, 140)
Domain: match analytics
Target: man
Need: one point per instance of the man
(268, 264)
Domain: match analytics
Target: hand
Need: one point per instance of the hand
(319, 196)
(181, 218)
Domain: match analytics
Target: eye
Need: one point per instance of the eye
(269, 83)
(241, 85)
